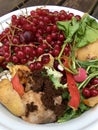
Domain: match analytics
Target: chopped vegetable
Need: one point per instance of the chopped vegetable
(81, 76)
(17, 85)
(73, 89)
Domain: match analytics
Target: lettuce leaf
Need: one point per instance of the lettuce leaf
(82, 32)
(70, 113)
(55, 77)
(87, 32)
(69, 27)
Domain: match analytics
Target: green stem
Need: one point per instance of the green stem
(59, 57)
(85, 82)
(65, 67)
(61, 52)
(94, 66)
(73, 68)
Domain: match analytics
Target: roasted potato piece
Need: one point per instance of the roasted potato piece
(91, 101)
(88, 52)
(10, 98)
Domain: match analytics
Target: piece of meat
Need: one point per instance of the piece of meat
(38, 114)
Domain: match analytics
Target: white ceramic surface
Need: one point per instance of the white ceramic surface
(87, 121)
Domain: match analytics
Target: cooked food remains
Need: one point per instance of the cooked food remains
(49, 66)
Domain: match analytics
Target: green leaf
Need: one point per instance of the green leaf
(83, 32)
(64, 26)
(56, 82)
(90, 35)
(87, 32)
(90, 21)
(66, 95)
(70, 113)
(55, 77)
(69, 28)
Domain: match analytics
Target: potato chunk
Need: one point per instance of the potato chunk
(88, 52)
(10, 98)
(92, 101)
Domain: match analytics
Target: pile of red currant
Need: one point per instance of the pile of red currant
(32, 35)
(91, 89)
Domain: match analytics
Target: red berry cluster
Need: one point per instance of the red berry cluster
(91, 89)
(30, 36)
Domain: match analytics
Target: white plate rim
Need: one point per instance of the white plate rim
(14, 123)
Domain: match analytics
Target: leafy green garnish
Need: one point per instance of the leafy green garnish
(66, 95)
(82, 32)
(55, 77)
(70, 113)
(56, 82)
(87, 32)
(78, 34)
(87, 63)
(69, 28)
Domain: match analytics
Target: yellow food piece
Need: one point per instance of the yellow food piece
(88, 52)
(10, 98)
(14, 68)
(91, 101)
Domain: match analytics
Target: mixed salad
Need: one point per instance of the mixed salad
(49, 64)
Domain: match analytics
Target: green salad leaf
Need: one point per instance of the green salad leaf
(69, 27)
(70, 113)
(82, 32)
(57, 83)
(55, 77)
(87, 32)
